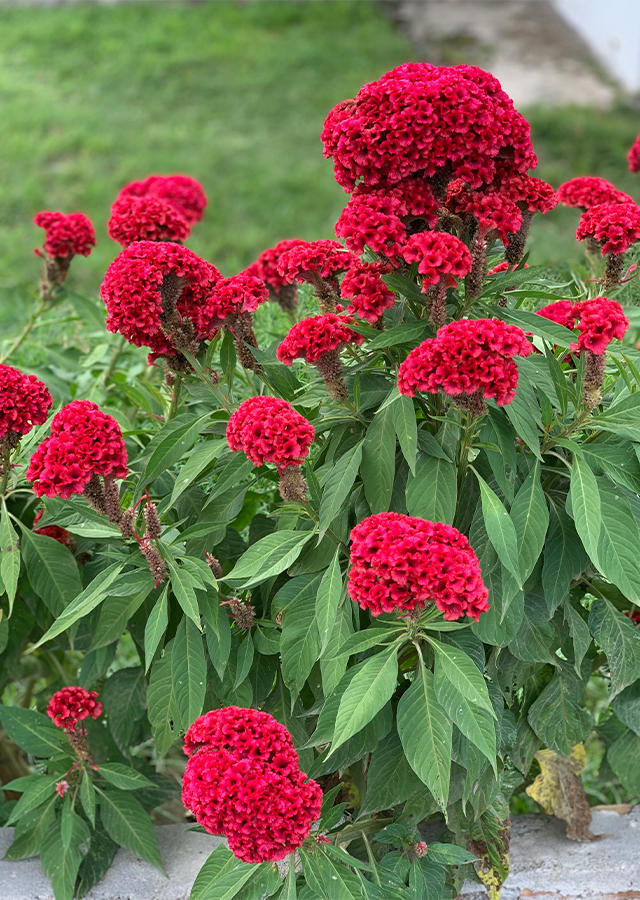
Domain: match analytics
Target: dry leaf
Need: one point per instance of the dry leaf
(559, 791)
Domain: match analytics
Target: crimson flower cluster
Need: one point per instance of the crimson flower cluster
(61, 535)
(270, 430)
(84, 442)
(465, 357)
(66, 235)
(24, 402)
(634, 156)
(587, 191)
(240, 293)
(504, 266)
(367, 291)
(308, 261)
(243, 781)
(439, 255)
(145, 219)
(494, 211)
(599, 321)
(181, 192)
(266, 265)
(614, 226)
(427, 119)
(316, 336)
(71, 705)
(401, 562)
(529, 193)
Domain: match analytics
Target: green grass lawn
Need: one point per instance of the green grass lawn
(232, 93)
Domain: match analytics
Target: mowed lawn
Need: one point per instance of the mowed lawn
(232, 93)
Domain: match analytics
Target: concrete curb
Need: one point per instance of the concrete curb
(544, 865)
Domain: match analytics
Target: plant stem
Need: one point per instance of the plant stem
(106, 375)
(175, 399)
(25, 331)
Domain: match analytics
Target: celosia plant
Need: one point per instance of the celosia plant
(612, 228)
(145, 219)
(185, 194)
(588, 191)
(66, 236)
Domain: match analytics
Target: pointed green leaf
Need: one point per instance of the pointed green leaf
(156, 626)
(169, 444)
(245, 658)
(338, 485)
(128, 824)
(33, 796)
(390, 778)
(557, 716)
(182, 587)
(432, 491)
(203, 454)
(52, 570)
(500, 528)
(9, 556)
(405, 424)
(299, 643)
(61, 863)
(564, 558)
(454, 665)
(33, 731)
(124, 777)
(619, 540)
(327, 600)
(530, 517)
(379, 461)
(88, 798)
(585, 505)
(123, 697)
(620, 641)
(580, 634)
(162, 708)
(269, 556)
(188, 671)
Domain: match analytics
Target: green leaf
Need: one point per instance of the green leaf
(405, 424)
(229, 883)
(9, 556)
(289, 890)
(564, 558)
(269, 556)
(624, 758)
(454, 665)
(622, 418)
(333, 666)
(530, 517)
(61, 863)
(32, 731)
(620, 642)
(52, 570)
(626, 706)
(124, 777)
(367, 693)
(87, 601)
(327, 600)
(245, 658)
(171, 443)
(432, 491)
(156, 626)
(536, 324)
(473, 721)
(534, 640)
(408, 333)
(426, 734)
(183, 589)
(203, 454)
(500, 529)
(161, 704)
(580, 634)
(524, 413)
(299, 643)
(123, 696)
(618, 461)
(338, 485)
(188, 671)
(557, 716)
(30, 830)
(585, 505)
(449, 854)
(98, 860)
(88, 797)
(220, 861)
(379, 461)
(33, 795)
(127, 823)
(619, 542)
(390, 778)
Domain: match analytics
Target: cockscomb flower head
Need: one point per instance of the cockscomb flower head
(587, 191)
(185, 194)
(148, 283)
(504, 266)
(84, 442)
(266, 265)
(614, 226)
(633, 156)
(66, 235)
(313, 260)
(145, 219)
(467, 357)
(401, 562)
(599, 321)
(61, 535)
(366, 290)
(439, 256)
(528, 193)
(312, 338)
(269, 430)
(241, 293)
(427, 119)
(24, 402)
(73, 704)
(494, 211)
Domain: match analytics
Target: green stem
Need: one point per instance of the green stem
(114, 359)
(25, 331)
(175, 399)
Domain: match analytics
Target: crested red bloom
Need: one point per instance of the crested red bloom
(562, 312)
(400, 562)
(73, 704)
(600, 320)
(145, 219)
(439, 255)
(134, 285)
(587, 191)
(266, 265)
(241, 293)
(465, 357)
(504, 267)
(528, 193)
(615, 226)
(183, 193)
(493, 210)
(61, 535)
(66, 235)
(634, 156)
(367, 291)
(427, 119)
(84, 442)
(24, 401)
(311, 260)
(270, 430)
(311, 338)
(379, 218)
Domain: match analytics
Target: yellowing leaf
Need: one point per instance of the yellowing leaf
(560, 793)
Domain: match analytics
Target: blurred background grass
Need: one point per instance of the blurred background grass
(232, 93)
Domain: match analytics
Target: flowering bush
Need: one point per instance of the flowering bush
(360, 562)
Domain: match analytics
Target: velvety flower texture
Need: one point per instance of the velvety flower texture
(61, 535)
(66, 235)
(145, 219)
(73, 704)
(84, 442)
(401, 562)
(615, 226)
(266, 265)
(439, 255)
(424, 118)
(240, 293)
(244, 733)
(633, 156)
(183, 193)
(494, 211)
(368, 293)
(504, 267)
(311, 338)
(600, 320)
(133, 290)
(24, 401)
(270, 430)
(322, 259)
(465, 357)
(528, 193)
(587, 191)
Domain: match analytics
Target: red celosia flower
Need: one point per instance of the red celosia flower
(401, 562)
(183, 193)
(241, 293)
(66, 235)
(62, 787)
(634, 156)
(494, 211)
(24, 401)
(378, 217)
(266, 265)
(528, 193)
(426, 119)
(600, 320)
(311, 338)
(73, 704)
(439, 255)
(309, 261)
(368, 293)
(133, 286)
(504, 267)
(465, 357)
(145, 219)
(61, 535)
(615, 226)
(635, 614)
(587, 191)
(84, 442)
(563, 312)
(270, 430)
